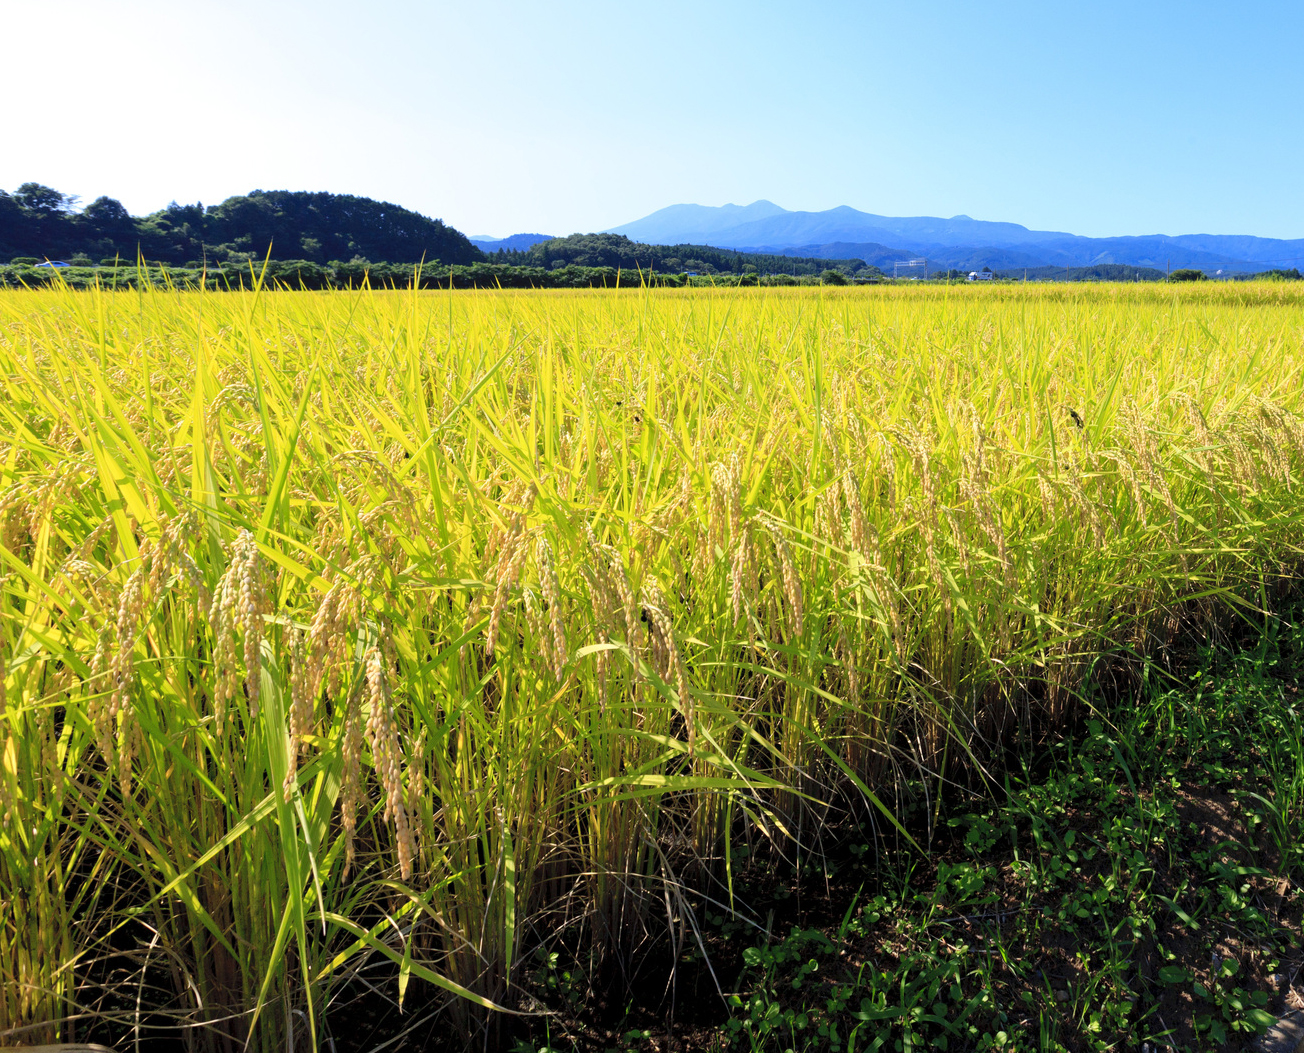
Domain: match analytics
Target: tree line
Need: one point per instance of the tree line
(305, 274)
(616, 250)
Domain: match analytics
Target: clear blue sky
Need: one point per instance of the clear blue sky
(1099, 119)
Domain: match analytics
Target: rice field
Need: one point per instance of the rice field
(378, 634)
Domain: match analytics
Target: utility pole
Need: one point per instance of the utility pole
(1168, 275)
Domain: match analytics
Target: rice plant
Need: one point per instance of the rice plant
(378, 627)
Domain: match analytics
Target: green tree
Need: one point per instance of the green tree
(15, 226)
(44, 200)
(107, 224)
(106, 213)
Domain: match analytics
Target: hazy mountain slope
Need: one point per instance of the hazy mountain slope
(1245, 246)
(1154, 250)
(764, 223)
(869, 251)
(964, 257)
(976, 257)
(959, 241)
(932, 230)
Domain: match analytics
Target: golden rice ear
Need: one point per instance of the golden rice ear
(552, 597)
(351, 790)
(959, 539)
(515, 551)
(792, 589)
(386, 751)
(742, 575)
(6, 793)
(672, 669)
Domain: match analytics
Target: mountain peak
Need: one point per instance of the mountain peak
(697, 223)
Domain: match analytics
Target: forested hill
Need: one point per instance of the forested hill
(41, 222)
(616, 250)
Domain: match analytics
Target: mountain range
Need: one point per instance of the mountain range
(959, 242)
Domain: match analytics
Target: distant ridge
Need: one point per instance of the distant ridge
(958, 242)
(512, 243)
